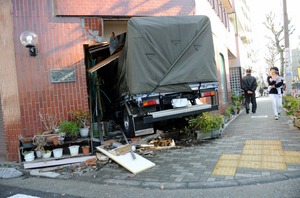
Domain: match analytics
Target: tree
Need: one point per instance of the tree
(271, 57)
(275, 41)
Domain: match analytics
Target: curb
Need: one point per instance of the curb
(206, 185)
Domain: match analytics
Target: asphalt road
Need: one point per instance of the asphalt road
(67, 189)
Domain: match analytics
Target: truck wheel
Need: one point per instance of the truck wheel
(127, 124)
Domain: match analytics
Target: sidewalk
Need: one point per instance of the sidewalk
(254, 148)
(194, 167)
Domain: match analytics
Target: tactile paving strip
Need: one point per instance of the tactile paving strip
(257, 154)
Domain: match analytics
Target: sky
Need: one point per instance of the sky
(259, 9)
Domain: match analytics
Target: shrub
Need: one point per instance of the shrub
(70, 128)
(81, 117)
(291, 104)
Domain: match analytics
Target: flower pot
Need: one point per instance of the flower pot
(84, 132)
(29, 157)
(74, 150)
(47, 155)
(27, 143)
(55, 140)
(85, 150)
(38, 154)
(49, 138)
(61, 137)
(203, 135)
(57, 152)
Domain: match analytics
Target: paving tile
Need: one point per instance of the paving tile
(252, 152)
(292, 153)
(256, 158)
(273, 166)
(272, 158)
(230, 156)
(250, 164)
(292, 159)
(227, 163)
(227, 171)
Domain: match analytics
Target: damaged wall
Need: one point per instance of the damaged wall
(10, 117)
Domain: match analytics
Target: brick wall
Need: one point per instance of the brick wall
(10, 109)
(124, 7)
(60, 46)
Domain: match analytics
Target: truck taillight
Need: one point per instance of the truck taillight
(150, 103)
(206, 94)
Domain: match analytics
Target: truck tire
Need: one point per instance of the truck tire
(128, 124)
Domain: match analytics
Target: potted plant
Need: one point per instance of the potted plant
(47, 154)
(49, 124)
(227, 114)
(233, 109)
(218, 121)
(202, 125)
(26, 142)
(82, 118)
(28, 156)
(70, 128)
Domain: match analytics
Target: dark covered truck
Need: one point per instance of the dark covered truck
(166, 65)
(165, 70)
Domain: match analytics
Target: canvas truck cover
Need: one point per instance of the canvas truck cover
(163, 54)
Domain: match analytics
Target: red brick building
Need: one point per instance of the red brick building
(64, 29)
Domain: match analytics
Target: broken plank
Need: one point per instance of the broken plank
(133, 165)
(56, 162)
(121, 150)
(148, 138)
(50, 169)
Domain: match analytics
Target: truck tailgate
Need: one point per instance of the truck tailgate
(178, 112)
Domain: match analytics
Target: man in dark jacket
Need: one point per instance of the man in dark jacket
(249, 86)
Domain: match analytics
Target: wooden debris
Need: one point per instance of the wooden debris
(51, 169)
(56, 162)
(91, 162)
(121, 150)
(133, 165)
(107, 143)
(148, 138)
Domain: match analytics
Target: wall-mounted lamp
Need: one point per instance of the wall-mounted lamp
(29, 40)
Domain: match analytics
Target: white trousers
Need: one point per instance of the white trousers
(276, 103)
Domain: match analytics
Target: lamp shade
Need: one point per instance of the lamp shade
(29, 39)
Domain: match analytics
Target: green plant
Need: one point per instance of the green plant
(232, 108)
(291, 104)
(218, 120)
(206, 122)
(228, 112)
(70, 128)
(81, 117)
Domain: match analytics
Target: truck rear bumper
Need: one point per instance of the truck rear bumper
(179, 112)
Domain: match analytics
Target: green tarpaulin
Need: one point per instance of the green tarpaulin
(163, 54)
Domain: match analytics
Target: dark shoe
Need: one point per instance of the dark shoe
(253, 112)
(247, 111)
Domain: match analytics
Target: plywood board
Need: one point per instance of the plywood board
(56, 162)
(133, 165)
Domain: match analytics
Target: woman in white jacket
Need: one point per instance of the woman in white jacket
(275, 91)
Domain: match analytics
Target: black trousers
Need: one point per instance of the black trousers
(250, 98)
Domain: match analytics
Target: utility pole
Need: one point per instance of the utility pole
(288, 69)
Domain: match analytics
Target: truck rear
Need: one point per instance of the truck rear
(166, 70)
